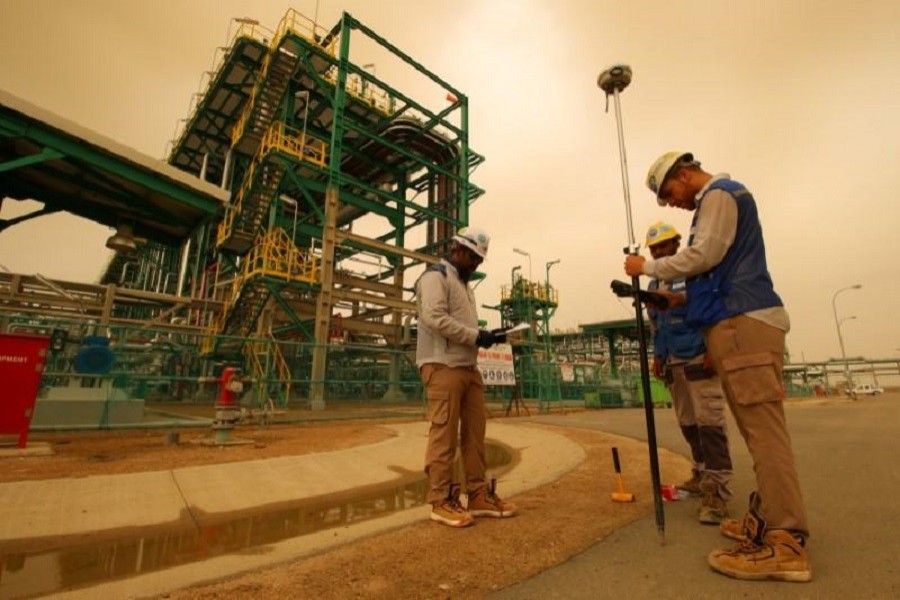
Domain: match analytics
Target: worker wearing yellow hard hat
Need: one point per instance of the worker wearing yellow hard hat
(679, 359)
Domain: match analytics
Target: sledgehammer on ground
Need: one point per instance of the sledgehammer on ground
(620, 495)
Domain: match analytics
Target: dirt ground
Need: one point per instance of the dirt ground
(424, 560)
(82, 454)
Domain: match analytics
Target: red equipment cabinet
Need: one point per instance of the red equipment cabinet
(21, 368)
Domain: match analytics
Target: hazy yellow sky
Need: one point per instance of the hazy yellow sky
(796, 99)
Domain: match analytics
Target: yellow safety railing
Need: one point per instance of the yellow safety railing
(258, 353)
(530, 289)
(282, 138)
(292, 23)
(234, 209)
(294, 142)
(364, 91)
(275, 255)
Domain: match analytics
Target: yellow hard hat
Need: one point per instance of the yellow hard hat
(659, 232)
(659, 171)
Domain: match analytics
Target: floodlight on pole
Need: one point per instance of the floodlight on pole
(523, 253)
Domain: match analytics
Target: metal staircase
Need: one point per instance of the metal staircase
(274, 75)
(274, 257)
(265, 102)
(250, 211)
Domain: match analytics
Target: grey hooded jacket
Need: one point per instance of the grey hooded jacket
(448, 319)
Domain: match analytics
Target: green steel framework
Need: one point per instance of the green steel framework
(535, 303)
(383, 152)
(308, 143)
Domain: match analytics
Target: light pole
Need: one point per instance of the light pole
(523, 253)
(548, 345)
(547, 280)
(837, 324)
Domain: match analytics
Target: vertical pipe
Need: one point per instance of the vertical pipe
(182, 271)
(203, 167)
(226, 170)
(464, 160)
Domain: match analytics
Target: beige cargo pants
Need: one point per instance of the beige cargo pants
(458, 417)
(748, 356)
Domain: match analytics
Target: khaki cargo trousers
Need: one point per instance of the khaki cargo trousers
(458, 418)
(748, 356)
(699, 404)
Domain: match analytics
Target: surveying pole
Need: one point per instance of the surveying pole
(612, 81)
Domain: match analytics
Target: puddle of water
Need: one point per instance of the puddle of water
(29, 575)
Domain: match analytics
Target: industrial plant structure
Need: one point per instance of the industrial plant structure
(297, 198)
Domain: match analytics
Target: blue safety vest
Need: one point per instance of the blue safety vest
(741, 282)
(672, 336)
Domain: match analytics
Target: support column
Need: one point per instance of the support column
(325, 301)
(393, 392)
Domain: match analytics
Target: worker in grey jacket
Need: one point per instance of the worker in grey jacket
(446, 355)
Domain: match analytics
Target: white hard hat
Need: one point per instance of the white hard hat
(659, 170)
(475, 239)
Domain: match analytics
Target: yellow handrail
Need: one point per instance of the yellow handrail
(255, 354)
(291, 23)
(369, 93)
(275, 255)
(278, 137)
(530, 289)
(304, 146)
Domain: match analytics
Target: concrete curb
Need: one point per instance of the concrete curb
(36, 509)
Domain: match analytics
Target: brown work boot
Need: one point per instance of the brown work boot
(450, 511)
(733, 529)
(780, 555)
(485, 503)
(737, 529)
(713, 509)
(692, 485)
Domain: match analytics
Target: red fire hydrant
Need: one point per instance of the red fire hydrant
(227, 409)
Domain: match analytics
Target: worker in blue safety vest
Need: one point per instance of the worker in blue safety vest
(679, 358)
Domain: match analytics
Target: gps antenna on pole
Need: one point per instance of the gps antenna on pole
(613, 81)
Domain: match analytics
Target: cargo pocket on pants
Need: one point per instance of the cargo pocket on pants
(438, 406)
(753, 379)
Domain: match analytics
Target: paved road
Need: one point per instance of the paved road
(848, 456)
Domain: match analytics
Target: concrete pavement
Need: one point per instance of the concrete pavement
(848, 458)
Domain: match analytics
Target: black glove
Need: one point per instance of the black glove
(485, 339)
(499, 335)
